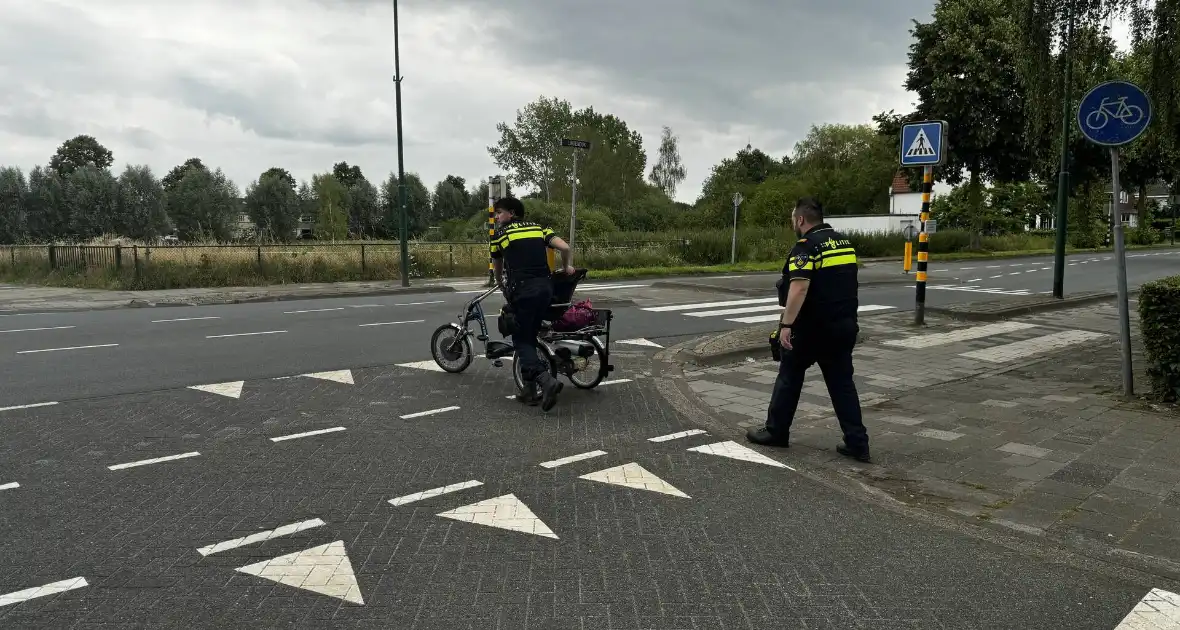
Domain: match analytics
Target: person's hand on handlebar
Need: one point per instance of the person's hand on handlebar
(569, 271)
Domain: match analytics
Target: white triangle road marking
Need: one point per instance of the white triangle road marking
(1157, 610)
(422, 365)
(733, 450)
(232, 389)
(324, 569)
(339, 376)
(634, 476)
(640, 342)
(504, 512)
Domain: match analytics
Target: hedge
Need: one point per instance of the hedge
(1159, 318)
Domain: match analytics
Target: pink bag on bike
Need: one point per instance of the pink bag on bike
(579, 315)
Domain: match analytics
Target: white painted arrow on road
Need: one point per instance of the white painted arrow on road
(232, 389)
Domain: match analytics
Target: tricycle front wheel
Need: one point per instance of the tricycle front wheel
(451, 349)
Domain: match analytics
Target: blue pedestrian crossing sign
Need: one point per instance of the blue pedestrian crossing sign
(923, 143)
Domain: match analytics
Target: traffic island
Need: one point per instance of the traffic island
(1017, 425)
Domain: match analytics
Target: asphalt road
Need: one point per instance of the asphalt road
(56, 357)
(576, 519)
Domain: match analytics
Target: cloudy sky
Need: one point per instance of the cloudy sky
(250, 84)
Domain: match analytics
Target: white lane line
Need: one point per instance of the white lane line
(36, 329)
(434, 492)
(53, 588)
(966, 268)
(417, 303)
(412, 321)
(265, 332)
(571, 459)
(1017, 265)
(26, 314)
(182, 319)
(676, 436)
(609, 287)
(314, 310)
(285, 530)
(697, 306)
(430, 412)
(994, 277)
(295, 436)
(32, 406)
(9, 486)
(157, 460)
(975, 280)
(103, 345)
(365, 305)
(993, 267)
(615, 382)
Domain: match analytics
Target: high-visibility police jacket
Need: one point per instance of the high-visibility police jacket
(828, 260)
(523, 247)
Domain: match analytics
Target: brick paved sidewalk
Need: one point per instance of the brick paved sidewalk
(1020, 423)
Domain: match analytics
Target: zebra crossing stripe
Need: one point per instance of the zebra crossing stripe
(737, 311)
(759, 319)
(697, 306)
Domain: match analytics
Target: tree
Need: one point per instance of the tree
(91, 194)
(80, 151)
(273, 205)
(739, 174)
(526, 149)
(962, 65)
(141, 204)
(847, 167)
(14, 191)
(365, 212)
(203, 205)
(448, 202)
(178, 172)
(281, 173)
(348, 176)
(668, 171)
(611, 172)
(417, 205)
(331, 218)
(46, 213)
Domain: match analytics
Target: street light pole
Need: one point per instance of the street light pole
(401, 170)
(1063, 171)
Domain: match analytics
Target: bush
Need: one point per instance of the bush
(1142, 235)
(1159, 318)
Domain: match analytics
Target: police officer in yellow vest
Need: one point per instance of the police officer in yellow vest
(818, 325)
(522, 246)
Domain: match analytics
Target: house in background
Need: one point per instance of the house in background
(1128, 201)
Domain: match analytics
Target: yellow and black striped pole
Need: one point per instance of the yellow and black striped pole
(923, 245)
(491, 235)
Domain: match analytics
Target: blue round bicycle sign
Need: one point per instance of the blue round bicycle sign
(1114, 113)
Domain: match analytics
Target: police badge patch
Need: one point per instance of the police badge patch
(800, 261)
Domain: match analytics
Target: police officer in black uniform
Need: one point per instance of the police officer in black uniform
(818, 325)
(521, 247)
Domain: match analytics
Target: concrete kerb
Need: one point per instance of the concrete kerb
(995, 312)
(215, 300)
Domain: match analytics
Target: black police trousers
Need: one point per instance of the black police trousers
(530, 299)
(829, 345)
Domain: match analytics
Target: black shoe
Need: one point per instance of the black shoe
(549, 391)
(766, 438)
(860, 455)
